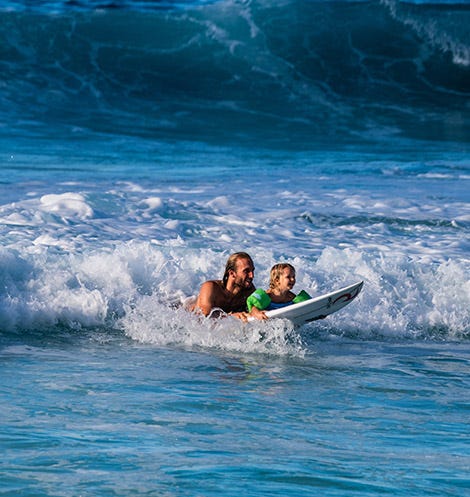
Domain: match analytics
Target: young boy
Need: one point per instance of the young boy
(279, 294)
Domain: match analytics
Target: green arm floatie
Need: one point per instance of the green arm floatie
(259, 299)
(301, 296)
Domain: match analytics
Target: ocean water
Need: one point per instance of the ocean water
(142, 142)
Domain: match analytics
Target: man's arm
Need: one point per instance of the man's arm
(207, 297)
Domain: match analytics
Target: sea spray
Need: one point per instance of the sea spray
(148, 321)
(401, 297)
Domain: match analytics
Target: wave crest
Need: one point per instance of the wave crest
(233, 70)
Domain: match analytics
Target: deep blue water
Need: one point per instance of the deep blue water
(141, 143)
(291, 75)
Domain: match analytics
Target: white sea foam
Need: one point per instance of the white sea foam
(153, 203)
(67, 205)
(402, 297)
(139, 286)
(151, 322)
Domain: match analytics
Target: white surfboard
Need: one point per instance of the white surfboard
(318, 307)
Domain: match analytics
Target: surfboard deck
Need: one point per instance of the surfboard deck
(318, 307)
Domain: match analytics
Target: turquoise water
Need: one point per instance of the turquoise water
(105, 416)
(143, 142)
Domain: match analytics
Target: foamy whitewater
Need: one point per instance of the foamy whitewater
(141, 143)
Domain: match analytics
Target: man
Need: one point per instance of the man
(230, 293)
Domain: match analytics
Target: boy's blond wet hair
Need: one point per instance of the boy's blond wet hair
(276, 271)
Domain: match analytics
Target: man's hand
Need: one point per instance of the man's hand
(257, 314)
(240, 315)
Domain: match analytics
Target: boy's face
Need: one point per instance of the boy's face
(287, 279)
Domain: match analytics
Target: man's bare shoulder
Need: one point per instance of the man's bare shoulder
(213, 285)
(211, 292)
